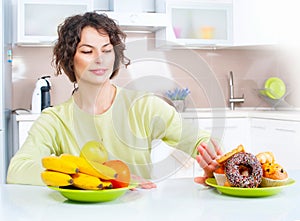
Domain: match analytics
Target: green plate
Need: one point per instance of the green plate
(275, 88)
(248, 192)
(92, 195)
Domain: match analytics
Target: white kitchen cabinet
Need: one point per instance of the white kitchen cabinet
(138, 21)
(197, 24)
(22, 124)
(37, 20)
(147, 6)
(256, 22)
(133, 16)
(23, 128)
(228, 132)
(281, 137)
(169, 162)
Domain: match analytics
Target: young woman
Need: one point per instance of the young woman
(90, 51)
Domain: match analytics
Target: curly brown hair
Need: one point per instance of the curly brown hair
(69, 36)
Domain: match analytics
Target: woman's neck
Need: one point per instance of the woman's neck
(95, 99)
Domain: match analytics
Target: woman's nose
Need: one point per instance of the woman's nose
(98, 59)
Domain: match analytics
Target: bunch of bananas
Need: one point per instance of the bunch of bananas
(67, 169)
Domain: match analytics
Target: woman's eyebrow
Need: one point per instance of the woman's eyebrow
(87, 45)
(108, 44)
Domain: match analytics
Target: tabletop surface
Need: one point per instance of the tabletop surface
(173, 199)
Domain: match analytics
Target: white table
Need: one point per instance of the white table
(174, 199)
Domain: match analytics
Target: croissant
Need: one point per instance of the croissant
(265, 157)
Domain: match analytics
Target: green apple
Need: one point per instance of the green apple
(94, 151)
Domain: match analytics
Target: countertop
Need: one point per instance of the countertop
(265, 113)
(287, 114)
(173, 199)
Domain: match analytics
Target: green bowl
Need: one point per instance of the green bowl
(92, 195)
(248, 192)
(274, 88)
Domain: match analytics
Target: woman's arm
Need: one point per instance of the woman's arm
(43, 140)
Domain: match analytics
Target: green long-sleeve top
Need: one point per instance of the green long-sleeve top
(127, 130)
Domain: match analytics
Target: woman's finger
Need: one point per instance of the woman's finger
(216, 147)
(204, 154)
(143, 183)
(212, 153)
(201, 161)
(200, 180)
(148, 185)
(208, 171)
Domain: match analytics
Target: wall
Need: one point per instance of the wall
(204, 72)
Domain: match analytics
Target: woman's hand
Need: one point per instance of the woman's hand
(207, 160)
(142, 183)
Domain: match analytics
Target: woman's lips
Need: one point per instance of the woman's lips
(100, 71)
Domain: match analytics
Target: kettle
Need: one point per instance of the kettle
(41, 95)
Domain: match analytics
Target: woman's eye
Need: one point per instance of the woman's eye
(107, 51)
(86, 52)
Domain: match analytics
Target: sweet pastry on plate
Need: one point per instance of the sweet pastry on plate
(273, 175)
(241, 169)
(219, 173)
(226, 156)
(265, 157)
(220, 177)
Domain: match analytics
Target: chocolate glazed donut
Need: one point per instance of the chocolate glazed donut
(243, 170)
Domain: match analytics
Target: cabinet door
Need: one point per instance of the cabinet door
(255, 22)
(24, 127)
(138, 22)
(193, 23)
(38, 20)
(170, 162)
(279, 136)
(229, 132)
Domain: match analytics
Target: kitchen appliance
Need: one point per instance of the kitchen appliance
(41, 95)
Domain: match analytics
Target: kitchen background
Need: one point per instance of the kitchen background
(258, 44)
(251, 68)
(251, 64)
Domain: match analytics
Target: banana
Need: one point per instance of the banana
(99, 170)
(53, 178)
(72, 158)
(87, 182)
(107, 184)
(91, 167)
(59, 164)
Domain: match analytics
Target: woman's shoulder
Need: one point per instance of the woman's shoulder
(60, 110)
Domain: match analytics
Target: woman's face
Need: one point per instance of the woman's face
(94, 57)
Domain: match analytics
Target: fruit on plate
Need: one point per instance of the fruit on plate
(76, 171)
(92, 168)
(122, 169)
(87, 182)
(94, 151)
(54, 178)
(101, 171)
(58, 164)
